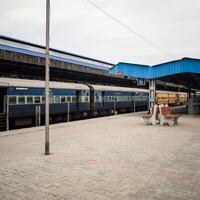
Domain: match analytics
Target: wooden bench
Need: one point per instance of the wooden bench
(166, 116)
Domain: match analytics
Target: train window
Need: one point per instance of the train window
(62, 99)
(21, 100)
(97, 93)
(29, 99)
(87, 93)
(37, 99)
(110, 98)
(68, 99)
(43, 99)
(86, 99)
(73, 99)
(12, 100)
(51, 100)
(57, 99)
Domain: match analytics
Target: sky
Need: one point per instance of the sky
(80, 28)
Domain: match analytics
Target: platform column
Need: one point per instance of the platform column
(152, 92)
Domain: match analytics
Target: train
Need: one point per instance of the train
(171, 98)
(22, 101)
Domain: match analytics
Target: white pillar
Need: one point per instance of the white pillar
(152, 92)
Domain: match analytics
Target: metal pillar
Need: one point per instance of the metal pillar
(68, 107)
(152, 92)
(47, 152)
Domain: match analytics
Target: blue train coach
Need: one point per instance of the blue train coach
(23, 101)
(108, 99)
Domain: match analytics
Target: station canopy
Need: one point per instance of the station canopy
(185, 71)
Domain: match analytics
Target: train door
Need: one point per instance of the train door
(78, 99)
(37, 115)
(92, 101)
(2, 100)
(132, 102)
(3, 116)
(102, 99)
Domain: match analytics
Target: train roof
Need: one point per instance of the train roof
(117, 89)
(13, 82)
(170, 92)
(127, 89)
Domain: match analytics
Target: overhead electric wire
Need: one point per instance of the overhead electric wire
(130, 29)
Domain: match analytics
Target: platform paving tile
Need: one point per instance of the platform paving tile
(106, 158)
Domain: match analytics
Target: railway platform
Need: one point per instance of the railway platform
(115, 157)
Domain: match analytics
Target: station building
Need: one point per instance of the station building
(185, 72)
(24, 60)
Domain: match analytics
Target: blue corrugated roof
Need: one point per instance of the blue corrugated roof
(184, 65)
(134, 70)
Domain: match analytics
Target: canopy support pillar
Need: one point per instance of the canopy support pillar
(152, 92)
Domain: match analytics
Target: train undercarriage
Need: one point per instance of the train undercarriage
(17, 123)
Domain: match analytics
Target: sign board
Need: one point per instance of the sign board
(140, 82)
(119, 74)
(20, 88)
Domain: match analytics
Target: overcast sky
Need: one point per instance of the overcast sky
(77, 27)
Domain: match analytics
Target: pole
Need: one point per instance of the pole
(68, 112)
(47, 79)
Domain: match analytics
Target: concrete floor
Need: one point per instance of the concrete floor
(115, 157)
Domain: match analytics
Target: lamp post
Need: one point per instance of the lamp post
(47, 152)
